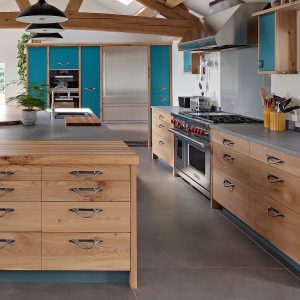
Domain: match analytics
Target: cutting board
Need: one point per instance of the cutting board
(82, 121)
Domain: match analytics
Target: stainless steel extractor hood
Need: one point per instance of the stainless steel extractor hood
(230, 28)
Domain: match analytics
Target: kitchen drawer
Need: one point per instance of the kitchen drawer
(80, 251)
(231, 194)
(276, 223)
(86, 172)
(163, 148)
(20, 251)
(20, 191)
(230, 141)
(162, 128)
(20, 216)
(231, 162)
(276, 159)
(86, 217)
(86, 191)
(278, 185)
(15, 172)
(158, 114)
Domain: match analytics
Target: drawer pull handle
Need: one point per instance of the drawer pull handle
(4, 191)
(227, 142)
(5, 243)
(64, 63)
(229, 185)
(83, 174)
(5, 211)
(161, 89)
(93, 211)
(81, 191)
(5, 174)
(274, 160)
(161, 126)
(92, 242)
(161, 143)
(272, 212)
(161, 117)
(90, 89)
(228, 157)
(274, 179)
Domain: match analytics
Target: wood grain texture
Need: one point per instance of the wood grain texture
(291, 6)
(112, 217)
(82, 121)
(158, 114)
(24, 173)
(73, 6)
(196, 63)
(163, 148)
(23, 4)
(23, 254)
(161, 128)
(112, 254)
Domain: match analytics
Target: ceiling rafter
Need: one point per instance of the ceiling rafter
(73, 6)
(22, 4)
(170, 3)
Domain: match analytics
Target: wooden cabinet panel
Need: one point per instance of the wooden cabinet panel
(232, 194)
(86, 217)
(20, 191)
(230, 141)
(231, 162)
(162, 116)
(112, 252)
(86, 191)
(86, 172)
(16, 172)
(20, 251)
(162, 128)
(278, 185)
(163, 148)
(276, 159)
(276, 223)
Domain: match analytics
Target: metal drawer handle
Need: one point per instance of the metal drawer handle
(227, 142)
(93, 211)
(161, 126)
(161, 143)
(5, 211)
(90, 89)
(161, 117)
(274, 160)
(92, 191)
(162, 99)
(272, 212)
(161, 89)
(64, 63)
(228, 157)
(229, 185)
(4, 191)
(273, 179)
(260, 63)
(5, 174)
(79, 242)
(5, 243)
(82, 174)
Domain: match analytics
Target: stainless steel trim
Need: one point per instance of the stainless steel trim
(64, 63)
(92, 191)
(78, 242)
(6, 174)
(5, 211)
(79, 174)
(90, 89)
(5, 191)
(6, 242)
(79, 210)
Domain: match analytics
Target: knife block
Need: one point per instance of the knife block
(277, 121)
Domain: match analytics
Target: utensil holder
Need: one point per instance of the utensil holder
(267, 112)
(277, 121)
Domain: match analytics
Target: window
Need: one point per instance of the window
(2, 83)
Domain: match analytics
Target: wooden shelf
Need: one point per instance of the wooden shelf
(293, 6)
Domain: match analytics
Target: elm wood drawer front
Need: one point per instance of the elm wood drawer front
(231, 162)
(230, 141)
(278, 185)
(231, 194)
(162, 128)
(86, 217)
(20, 191)
(157, 114)
(86, 172)
(276, 223)
(20, 216)
(163, 148)
(276, 159)
(86, 251)
(16, 172)
(86, 191)
(20, 251)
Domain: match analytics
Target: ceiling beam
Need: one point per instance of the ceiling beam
(146, 12)
(170, 3)
(73, 6)
(23, 4)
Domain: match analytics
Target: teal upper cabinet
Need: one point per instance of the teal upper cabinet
(64, 57)
(187, 61)
(90, 78)
(37, 68)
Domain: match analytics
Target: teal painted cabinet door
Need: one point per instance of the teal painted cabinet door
(267, 42)
(37, 69)
(160, 66)
(187, 61)
(64, 57)
(90, 78)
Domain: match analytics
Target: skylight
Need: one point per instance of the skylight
(125, 2)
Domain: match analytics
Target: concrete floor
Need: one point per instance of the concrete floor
(186, 252)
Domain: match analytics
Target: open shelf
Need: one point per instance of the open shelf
(293, 6)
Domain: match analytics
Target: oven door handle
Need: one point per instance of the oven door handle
(202, 145)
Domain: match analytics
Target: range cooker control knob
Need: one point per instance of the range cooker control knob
(173, 121)
(189, 129)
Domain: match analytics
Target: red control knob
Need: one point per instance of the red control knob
(172, 121)
(181, 126)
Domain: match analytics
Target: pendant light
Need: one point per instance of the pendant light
(47, 36)
(41, 13)
(44, 28)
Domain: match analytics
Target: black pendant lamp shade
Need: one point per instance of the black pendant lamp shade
(44, 28)
(41, 13)
(47, 36)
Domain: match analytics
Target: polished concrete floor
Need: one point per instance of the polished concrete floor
(186, 252)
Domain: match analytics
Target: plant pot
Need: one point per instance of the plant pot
(28, 117)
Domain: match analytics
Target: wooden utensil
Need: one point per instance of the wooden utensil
(263, 95)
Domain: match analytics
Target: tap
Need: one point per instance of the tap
(58, 87)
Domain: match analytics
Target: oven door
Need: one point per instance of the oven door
(179, 152)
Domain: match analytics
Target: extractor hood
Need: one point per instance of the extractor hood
(230, 28)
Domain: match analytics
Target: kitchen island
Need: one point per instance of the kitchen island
(68, 199)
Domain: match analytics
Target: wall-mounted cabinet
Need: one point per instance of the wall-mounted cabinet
(64, 57)
(191, 62)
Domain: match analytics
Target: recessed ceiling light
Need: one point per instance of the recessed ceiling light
(125, 2)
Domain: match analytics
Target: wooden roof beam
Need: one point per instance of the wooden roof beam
(73, 6)
(22, 4)
(146, 12)
(170, 3)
